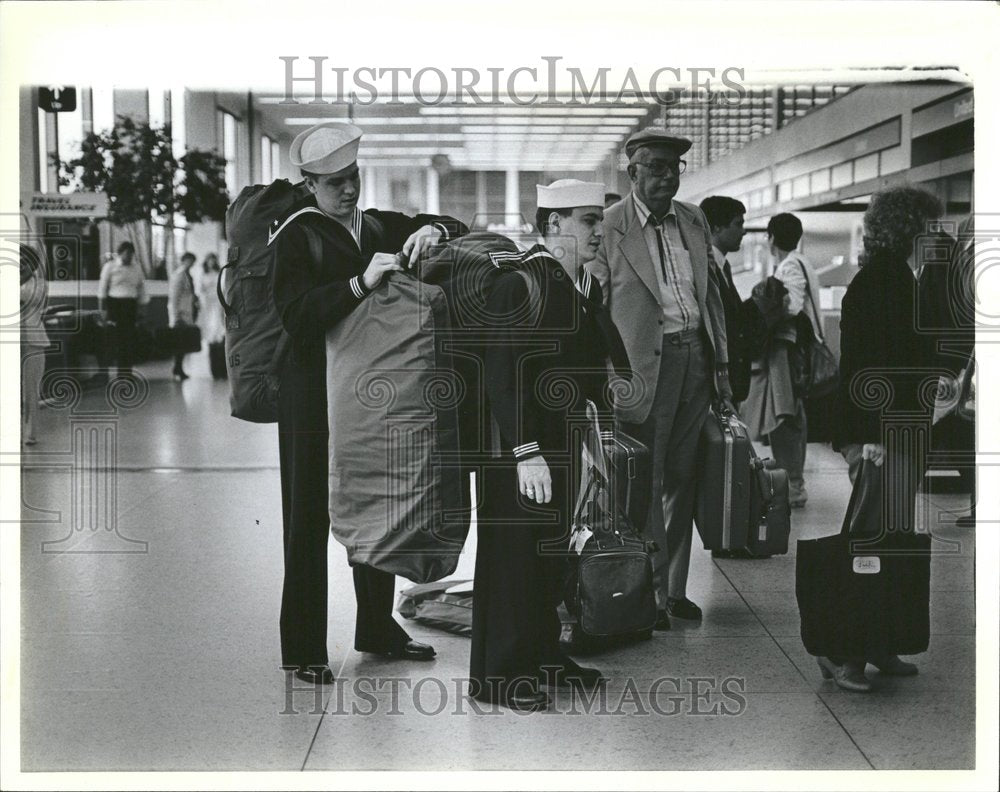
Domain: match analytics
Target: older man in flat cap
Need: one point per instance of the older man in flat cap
(654, 265)
(313, 291)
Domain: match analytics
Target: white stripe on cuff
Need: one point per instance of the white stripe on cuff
(356, 287)
(526, 449)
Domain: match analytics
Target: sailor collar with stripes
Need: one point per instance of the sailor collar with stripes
(539, 255)
(357, 220)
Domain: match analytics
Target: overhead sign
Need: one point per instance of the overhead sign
(78, 204)
(57, 99)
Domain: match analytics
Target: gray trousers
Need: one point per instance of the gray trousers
(788, 444)
(680, 407)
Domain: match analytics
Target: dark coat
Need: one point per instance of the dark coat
(884, 360)
(740, 318)
(311, 297)
(947, 298)
(539, 374)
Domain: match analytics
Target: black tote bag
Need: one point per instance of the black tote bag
(861, 595)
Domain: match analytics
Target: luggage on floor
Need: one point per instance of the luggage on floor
(217, 360)
(609, 588)
(860, 597)
(181, 339)
(573, 640)
(770, 506)
(445, 606)
(398, 499)
(724, 483)
(630, 471)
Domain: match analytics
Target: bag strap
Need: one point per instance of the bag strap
(284, 344)
(534, 294)
(864, 490)
(231, 259)
(593, 463)
(819, 319)
(581, 502)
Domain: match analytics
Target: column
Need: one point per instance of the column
(482, 207)
(432, 201)
(512, 199)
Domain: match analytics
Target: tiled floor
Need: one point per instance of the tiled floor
(164, 655)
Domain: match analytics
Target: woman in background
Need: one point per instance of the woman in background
(213, 320)
(34, 340)
(182, 304)
(882, 351)
(213, 324)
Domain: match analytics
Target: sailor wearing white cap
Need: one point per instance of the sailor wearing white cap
(540, 373)
(329, 255)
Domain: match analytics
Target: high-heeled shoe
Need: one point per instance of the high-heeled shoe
(849, 676)
(893, 666)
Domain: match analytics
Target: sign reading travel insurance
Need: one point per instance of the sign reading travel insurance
(57, 99)
(78, 204)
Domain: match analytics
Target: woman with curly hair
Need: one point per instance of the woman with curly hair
(885, 363)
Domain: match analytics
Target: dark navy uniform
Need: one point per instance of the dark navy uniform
(312, 296)
(541, 368)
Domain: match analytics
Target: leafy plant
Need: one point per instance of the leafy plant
(134, 164)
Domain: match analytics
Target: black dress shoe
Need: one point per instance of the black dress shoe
(411, 650)
(683, 609)
(568, 673)
(524, 701)
(315, 675)
(662, 621)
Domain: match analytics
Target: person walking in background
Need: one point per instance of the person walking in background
(725, 220)
(34, 340)
(881, 344)
(121, 292)
(653, 266)
(182, 305)
(775, 407)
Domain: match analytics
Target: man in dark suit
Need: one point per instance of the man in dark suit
(312, 295)
(725, 220)
(653, 266)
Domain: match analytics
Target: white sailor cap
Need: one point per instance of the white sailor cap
(326, 148)
(570, 193)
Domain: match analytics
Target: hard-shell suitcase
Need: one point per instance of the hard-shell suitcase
(217, 360)
(631, 477)
(723, 483)
(770, 536)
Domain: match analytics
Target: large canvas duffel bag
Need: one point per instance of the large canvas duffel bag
(398, 499)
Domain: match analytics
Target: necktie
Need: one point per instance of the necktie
(729, 274)
(659, 247)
